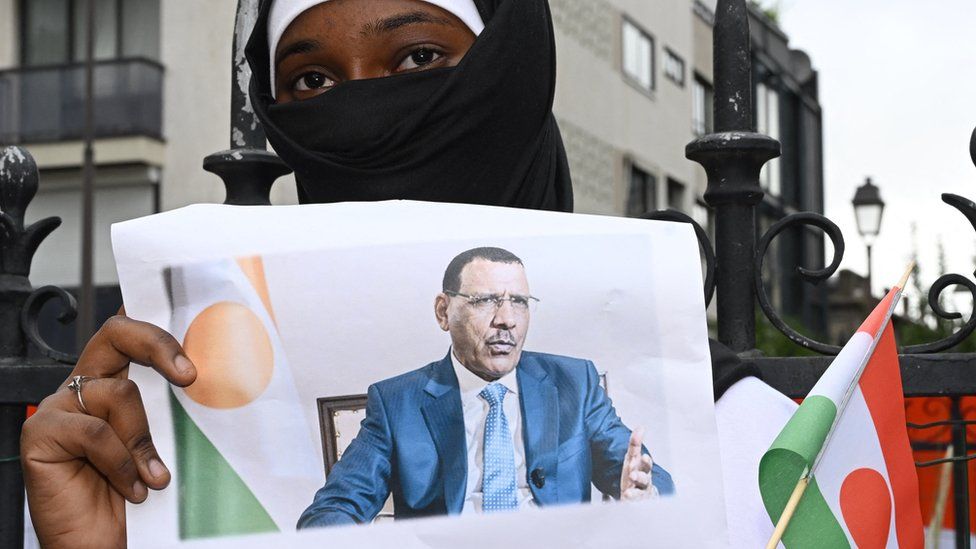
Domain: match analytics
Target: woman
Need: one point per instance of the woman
(445, 100)
(459, 119)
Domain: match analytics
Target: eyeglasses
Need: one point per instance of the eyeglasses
(485, 303)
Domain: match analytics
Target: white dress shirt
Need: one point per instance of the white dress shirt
(475, 410)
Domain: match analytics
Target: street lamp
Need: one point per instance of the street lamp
(868, 209)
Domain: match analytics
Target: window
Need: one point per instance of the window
(638, 52)
(700, 213)
(767, 122)
(674, 67)
(676, 195)
(106, 29)
(140, 28)
(703, 215)
(54, 30)
(701, 108)
(642, 197)
(45, 32)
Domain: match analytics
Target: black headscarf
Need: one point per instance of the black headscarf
(479, 133)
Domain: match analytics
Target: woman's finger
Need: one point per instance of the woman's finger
(119, 403)
(122, 340)
(91, 438)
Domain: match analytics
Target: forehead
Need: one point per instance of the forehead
(364, 18)
(482, 275)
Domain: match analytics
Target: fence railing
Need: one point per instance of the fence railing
(732, 157)
(47, 103)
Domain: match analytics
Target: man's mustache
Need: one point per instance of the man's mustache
(504, 338)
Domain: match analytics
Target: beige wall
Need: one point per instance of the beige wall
(597, 107)
(702, 36)
(124, 195)
(197, 53)
(9, 32)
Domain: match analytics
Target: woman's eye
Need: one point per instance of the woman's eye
(313, 81)
(419, 58)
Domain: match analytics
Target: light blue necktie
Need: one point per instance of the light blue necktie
(498, 484)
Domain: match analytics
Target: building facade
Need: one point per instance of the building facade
(634, 87)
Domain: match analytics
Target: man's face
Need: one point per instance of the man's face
(486, 339)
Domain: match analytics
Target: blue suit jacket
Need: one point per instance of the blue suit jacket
(412, 443)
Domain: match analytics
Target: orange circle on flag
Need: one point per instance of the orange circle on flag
(233, 354)
(865, 502)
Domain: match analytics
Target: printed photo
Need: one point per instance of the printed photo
(472, 379)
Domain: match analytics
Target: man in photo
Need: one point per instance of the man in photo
(489, 427)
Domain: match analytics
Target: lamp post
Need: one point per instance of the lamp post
(868, 209)
(86, 314)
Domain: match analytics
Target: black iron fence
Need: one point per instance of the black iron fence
(47, 103)
(732, 157)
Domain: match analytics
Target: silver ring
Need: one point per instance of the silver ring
(75, 386)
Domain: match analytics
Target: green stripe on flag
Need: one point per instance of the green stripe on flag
(807, 430)
(789, 458)
(214, 501)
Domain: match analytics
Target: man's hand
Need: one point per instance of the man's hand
(635, 478)
(80, 468)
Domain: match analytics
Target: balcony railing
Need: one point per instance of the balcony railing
(45, 104)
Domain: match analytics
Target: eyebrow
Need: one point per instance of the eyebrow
(301, 46)
(399, 20)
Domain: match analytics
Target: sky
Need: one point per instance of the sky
(898, 92)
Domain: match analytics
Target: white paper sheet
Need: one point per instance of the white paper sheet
(624, 293)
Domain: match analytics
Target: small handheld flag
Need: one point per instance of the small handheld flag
(840, 473)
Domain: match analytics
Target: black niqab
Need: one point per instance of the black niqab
(480, 133)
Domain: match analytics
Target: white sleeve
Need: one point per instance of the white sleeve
(749, 415)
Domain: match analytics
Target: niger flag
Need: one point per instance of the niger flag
(242, 441)
(849, 437)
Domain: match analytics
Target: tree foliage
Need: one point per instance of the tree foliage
(770, 8)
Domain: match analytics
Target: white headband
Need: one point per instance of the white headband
(283, 12)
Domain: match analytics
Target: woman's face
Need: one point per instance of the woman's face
(344, 40)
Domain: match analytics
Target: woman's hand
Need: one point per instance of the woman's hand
(79, 468)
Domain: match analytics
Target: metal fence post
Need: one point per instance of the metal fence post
(960, 474)
(732, 158)
(247, 168)
(23, 380)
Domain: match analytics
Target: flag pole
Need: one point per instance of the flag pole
(908, 273)
(784, 519)
(801, 485)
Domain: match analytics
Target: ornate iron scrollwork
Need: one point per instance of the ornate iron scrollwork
(32, 310)
(704, 243)
(968, 209)
(972, 147)
(18, 243)
(965, 206)
(814, 276)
